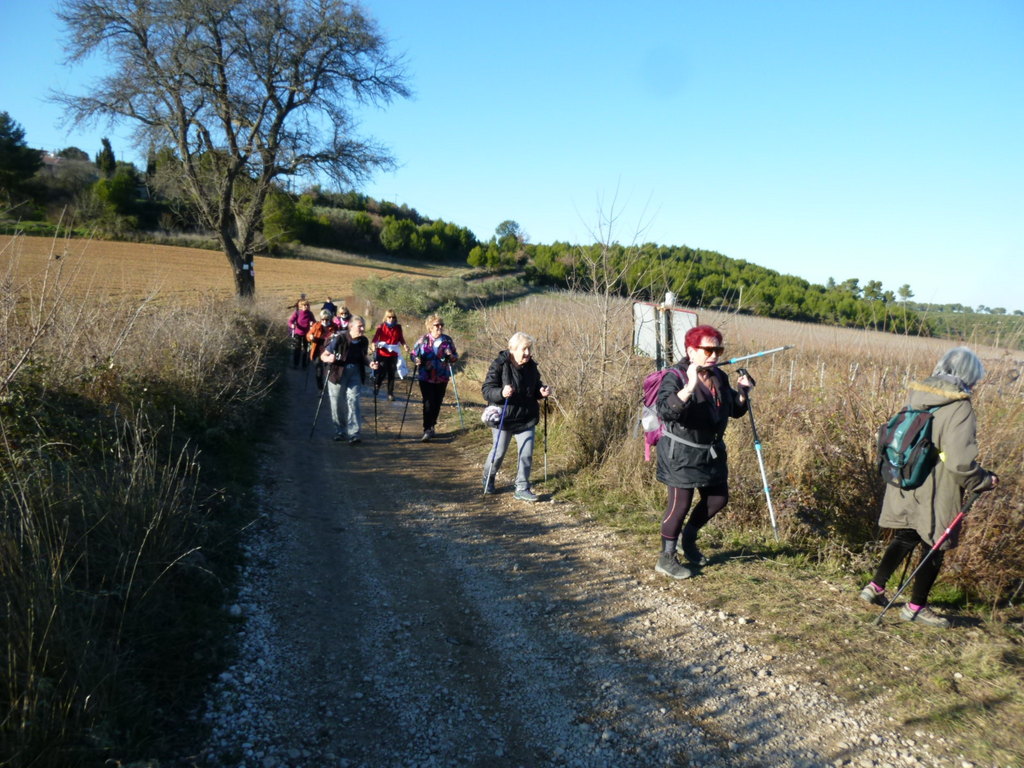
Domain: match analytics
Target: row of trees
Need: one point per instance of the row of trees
(702, 278)
(117, 199)
(313, 219)
(114, 197)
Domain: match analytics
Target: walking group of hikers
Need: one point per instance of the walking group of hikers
(338, 348)
(692, 403)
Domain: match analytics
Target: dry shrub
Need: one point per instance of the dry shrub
(597, 398)
(95, 569)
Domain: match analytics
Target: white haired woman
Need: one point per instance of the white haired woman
(513, 383)
(921, 516)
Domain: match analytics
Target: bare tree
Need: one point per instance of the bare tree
(604, 271)
(243, 92)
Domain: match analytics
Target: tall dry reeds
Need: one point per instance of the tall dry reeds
(817, 408)
(109, 583)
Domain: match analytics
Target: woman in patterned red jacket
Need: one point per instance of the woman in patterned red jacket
(433, 353)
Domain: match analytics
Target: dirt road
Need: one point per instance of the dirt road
(394, 616)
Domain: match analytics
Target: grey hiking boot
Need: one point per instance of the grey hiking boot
(668, 565)
(925, 616)
(525, 495)
(868, 595)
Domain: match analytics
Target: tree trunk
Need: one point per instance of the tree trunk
(241, 268)
(245, 282)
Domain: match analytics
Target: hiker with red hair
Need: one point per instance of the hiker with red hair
(695, 402)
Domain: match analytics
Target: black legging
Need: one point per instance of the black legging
(433, 396)
(903, 543)
(388, 366)
(712, 500)
(300, 350)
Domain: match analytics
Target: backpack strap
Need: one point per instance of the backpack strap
(710, 448)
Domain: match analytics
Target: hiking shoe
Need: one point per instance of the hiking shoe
(338, 438)
(489, 490)
(354, 440)
(925, 616)
(868, 595)
(694, 556)
(391, 398)
(688, 538)
(526, 495)
(668, 565)
(427, 435)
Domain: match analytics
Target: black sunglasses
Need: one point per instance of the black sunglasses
(716, 350)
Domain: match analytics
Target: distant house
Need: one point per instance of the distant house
(51, 162)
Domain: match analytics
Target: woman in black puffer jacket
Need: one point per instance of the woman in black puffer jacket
(513, 383)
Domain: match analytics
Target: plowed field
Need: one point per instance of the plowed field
(117, 270)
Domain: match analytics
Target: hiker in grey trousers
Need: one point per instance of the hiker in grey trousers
(513, 384)
(348, 355)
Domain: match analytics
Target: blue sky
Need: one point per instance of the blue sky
(881, 141)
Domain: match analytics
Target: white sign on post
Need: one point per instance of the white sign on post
(659, 330)
(645, 328)
(681, 321)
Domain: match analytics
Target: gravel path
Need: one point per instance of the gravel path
(394, 616)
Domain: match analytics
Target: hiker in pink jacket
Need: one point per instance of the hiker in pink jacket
(299, 323)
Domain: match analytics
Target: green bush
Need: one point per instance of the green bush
(421, 297)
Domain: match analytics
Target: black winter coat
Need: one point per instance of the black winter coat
(523, 410)
(699, 421)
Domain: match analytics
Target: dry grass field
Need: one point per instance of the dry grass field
(175, 276)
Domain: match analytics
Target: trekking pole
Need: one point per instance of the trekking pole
(319, 403)
(376, 388)
(494, 451)
(760, 458)
(732, 360)
(408, 395)
(968, 503)
(545, 439)
(451, 374)
(305, 384)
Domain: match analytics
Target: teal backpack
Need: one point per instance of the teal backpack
(906, 453)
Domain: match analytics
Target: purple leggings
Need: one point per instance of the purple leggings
(712, 500)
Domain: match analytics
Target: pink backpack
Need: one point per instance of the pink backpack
(649, 421)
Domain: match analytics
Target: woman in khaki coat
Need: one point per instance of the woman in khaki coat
(920, 516)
